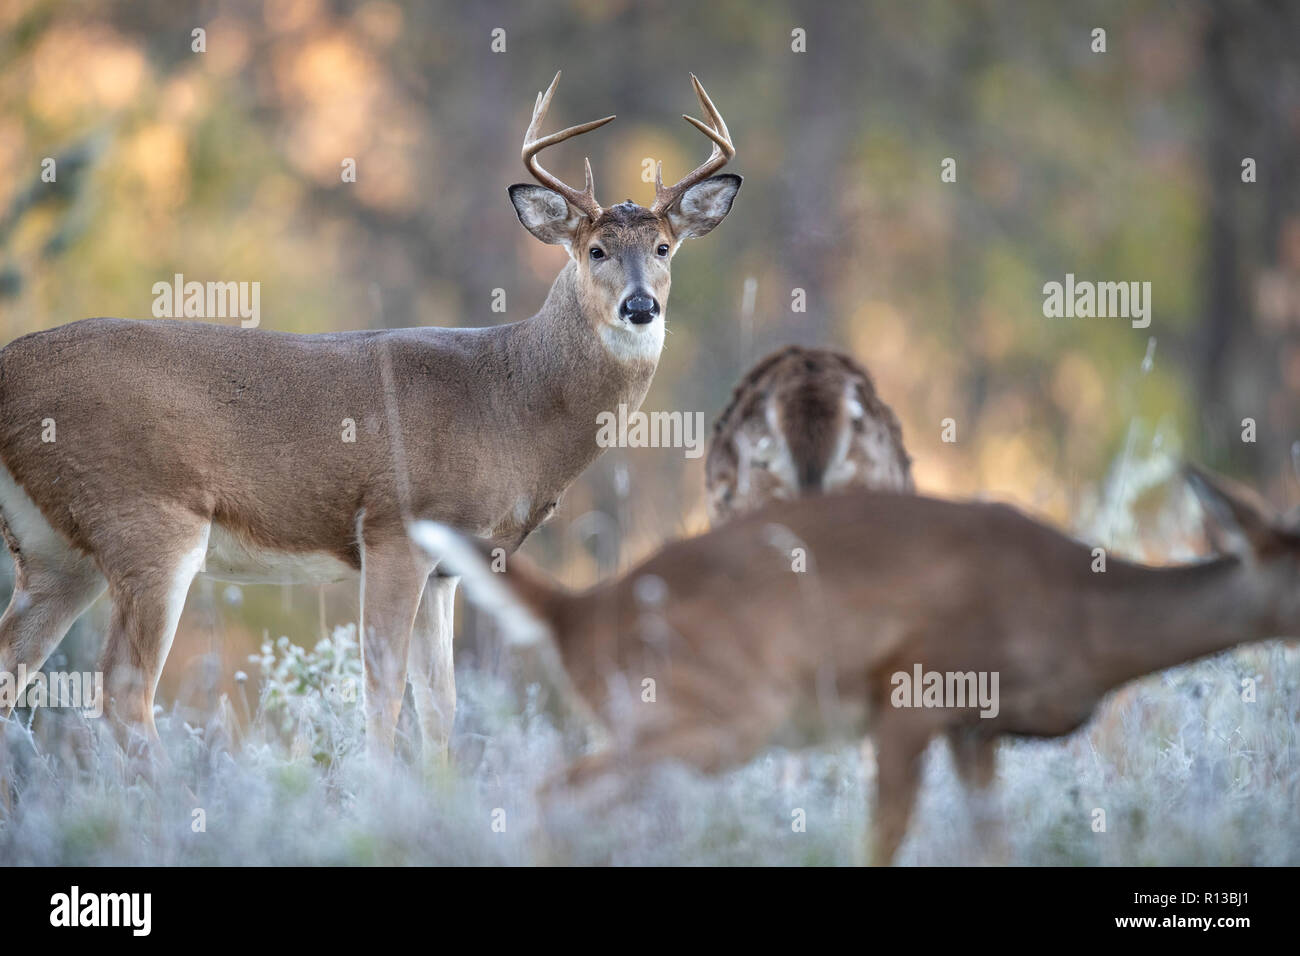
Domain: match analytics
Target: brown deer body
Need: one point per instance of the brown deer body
(746, 652)
(802, 421)
(180, 448)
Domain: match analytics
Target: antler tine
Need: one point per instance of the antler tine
(723, 151)
(710, 110)
(585, 199)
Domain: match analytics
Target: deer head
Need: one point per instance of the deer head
(622, 255)
(1241, 524)
(803, 422)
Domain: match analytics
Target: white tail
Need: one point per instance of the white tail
(467, 560)
(805, 621)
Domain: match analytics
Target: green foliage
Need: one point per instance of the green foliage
(310, 699)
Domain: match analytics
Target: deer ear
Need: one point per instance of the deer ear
(703, 206)
(719, 479)
(1238, 520)
(546, 214)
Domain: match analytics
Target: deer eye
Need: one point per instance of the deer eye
(663, 250)
(597, 253)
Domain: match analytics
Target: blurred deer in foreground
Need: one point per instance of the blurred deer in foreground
(802, 421)
(186, 448)
(747, 653)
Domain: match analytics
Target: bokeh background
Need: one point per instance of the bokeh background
(1122, 165)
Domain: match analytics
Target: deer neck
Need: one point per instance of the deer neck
(1147, 619)
(561, 356)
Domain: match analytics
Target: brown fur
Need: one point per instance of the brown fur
(169, 433)
(245, 451)
(165, 427)
(747, 653)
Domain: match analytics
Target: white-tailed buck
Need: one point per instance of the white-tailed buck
(747, 652)
(138, 454)
(802, 421)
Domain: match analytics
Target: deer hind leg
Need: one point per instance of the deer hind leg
(393, 579)
(975, 756)
(148, 581)
(43, 606)
(53, 585)
(431, 671)
(45, 603)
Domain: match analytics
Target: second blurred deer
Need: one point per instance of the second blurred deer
(718, 647)
(803, 421)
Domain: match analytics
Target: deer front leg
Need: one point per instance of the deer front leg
(393, 578)
(431, 670)
(901, 738)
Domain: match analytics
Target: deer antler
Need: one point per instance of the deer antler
(584, 200)
(723, 151)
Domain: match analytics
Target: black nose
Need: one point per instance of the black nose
(639, 308)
